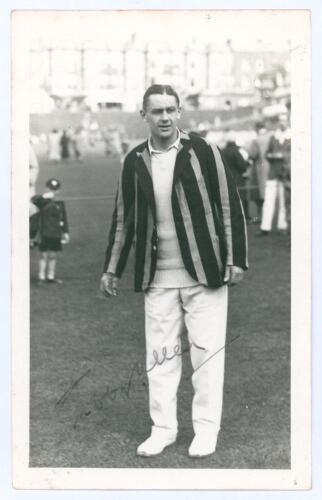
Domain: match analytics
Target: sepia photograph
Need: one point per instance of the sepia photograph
(161, 329)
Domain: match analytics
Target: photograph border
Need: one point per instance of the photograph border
(298, 477)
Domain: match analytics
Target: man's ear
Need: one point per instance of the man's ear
(143, 114)
(179, 111)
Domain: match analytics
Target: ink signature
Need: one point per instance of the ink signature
(137, 370)
(62, 400)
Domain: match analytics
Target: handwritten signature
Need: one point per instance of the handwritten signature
(137, 371)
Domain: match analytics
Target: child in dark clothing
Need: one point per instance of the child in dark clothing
(53, 230)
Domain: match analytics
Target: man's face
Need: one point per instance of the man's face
(162, 115)
(283, 122)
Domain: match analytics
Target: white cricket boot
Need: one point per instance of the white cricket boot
(160, 438)
(202, 445)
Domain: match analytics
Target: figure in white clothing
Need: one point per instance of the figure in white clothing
(278, 155)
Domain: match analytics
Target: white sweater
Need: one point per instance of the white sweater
(170, 270)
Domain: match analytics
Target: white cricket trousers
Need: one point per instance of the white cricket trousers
(203, 311)
(274, 189)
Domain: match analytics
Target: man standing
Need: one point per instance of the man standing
(259, 166)
(238, 167)
(180, 206)
(278, 155)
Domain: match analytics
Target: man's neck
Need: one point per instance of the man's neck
(162, 145)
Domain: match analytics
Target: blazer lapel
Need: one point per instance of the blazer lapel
(144, 173)
(183, 156)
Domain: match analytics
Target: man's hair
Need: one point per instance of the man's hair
(159, 89)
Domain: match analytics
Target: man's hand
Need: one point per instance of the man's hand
(233, 275)
(109, 284)
(65, 238)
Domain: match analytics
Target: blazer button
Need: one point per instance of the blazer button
(154, 247)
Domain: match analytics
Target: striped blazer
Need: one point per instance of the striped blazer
(207, 212)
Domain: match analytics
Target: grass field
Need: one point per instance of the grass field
(88, 404)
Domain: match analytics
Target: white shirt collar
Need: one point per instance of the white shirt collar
(175, 144)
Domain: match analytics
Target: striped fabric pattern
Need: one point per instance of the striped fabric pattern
(207, 212)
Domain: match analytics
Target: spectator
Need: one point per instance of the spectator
(78, 143)
(106, 136)
(64, 145)
(278, 155)
(259, 167)
(93, 132)
(54, 146)
(238, 166)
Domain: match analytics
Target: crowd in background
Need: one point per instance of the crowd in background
(260, 161)
(60, 145)
(259, 157)
(74, 143)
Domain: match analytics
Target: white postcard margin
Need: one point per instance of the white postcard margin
(297, 23)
